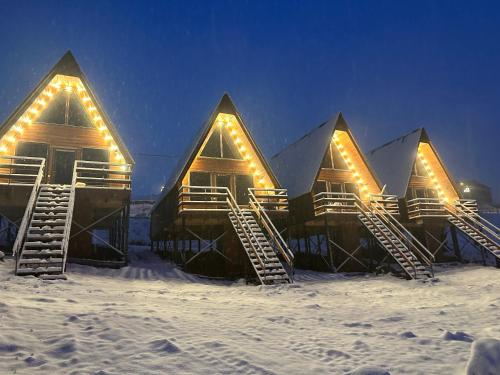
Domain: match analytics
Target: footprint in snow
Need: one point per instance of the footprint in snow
(407, 335)
(457, 336)
(33, 362)
(64, 350)
(164, 346)
(358, 324)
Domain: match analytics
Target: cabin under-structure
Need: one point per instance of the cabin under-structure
(430, 202)
(65, 176)
(219, 213)
(340, 218)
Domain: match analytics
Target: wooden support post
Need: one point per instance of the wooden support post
(328, 244)
(456, 246)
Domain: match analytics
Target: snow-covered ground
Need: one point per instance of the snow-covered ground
(151, 318)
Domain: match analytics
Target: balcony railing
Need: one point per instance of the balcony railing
(336, 203)
(20, 170)
(420, 208)
(102, 175)
(214, 198)
(271, 199)
(386, 201)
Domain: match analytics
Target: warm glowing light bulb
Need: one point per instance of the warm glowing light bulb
(113, 147)
(3, 148)
(233, 132)
(68, 88)
(252, 165)
(262, 181)
(92, 108)
(41, 102)
(107, 137)
(257, 173)
(10, 138)
(18, 128)
(97, 118)
(237, 141)
(34, 111)
(85, 99)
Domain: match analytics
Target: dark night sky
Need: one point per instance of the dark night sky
(161, 67)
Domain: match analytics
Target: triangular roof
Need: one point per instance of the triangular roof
(297, 166)
(225, 105)
(67, 66)
(394, 160)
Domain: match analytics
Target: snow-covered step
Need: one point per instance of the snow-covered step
(45, 240)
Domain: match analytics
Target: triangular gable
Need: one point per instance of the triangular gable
(303, 158)
(65, 75)
(394, 162)
(225, 112)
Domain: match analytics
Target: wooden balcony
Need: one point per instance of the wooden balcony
(421, 208)
(215, 199)
(350, 203)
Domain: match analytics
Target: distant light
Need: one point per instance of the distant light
(467, 189)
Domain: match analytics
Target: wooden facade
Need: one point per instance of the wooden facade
(324, 229)
(431, 204)
(189, 222)
(62, 131)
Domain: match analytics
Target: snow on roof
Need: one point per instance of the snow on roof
(394, 161)
(225, 105)
(298, 164)
(68, 65)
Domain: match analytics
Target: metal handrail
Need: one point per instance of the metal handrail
(363, 209)
(472, 227)
(271, 229)
(473, 215)
(271, 197)
(404, 234)
(27, 213)
(343, 203)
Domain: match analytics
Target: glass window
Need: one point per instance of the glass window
(77, 115)
(32, 149)
(199, 179)
(212, 147)
(243, 183)
(220, 145)
(55, 113)
(229, 149)
(319, 187)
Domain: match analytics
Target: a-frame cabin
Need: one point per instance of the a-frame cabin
(65, 176)
(340, 219)
(430, 201)
(215, 215)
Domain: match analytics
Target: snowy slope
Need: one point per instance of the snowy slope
(151, 318)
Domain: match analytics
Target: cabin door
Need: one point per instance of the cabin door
(62, 166)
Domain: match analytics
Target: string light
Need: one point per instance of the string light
(431, 174)
(68, 84)
(359, 181)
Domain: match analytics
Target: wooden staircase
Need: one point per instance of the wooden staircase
(482, 233)
(44, 241)
(395, 246)
(264, 260)
(414, 258)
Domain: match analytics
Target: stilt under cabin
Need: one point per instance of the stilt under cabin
(221, 212)
(65, 177)
(340, 218)
(431, 204)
